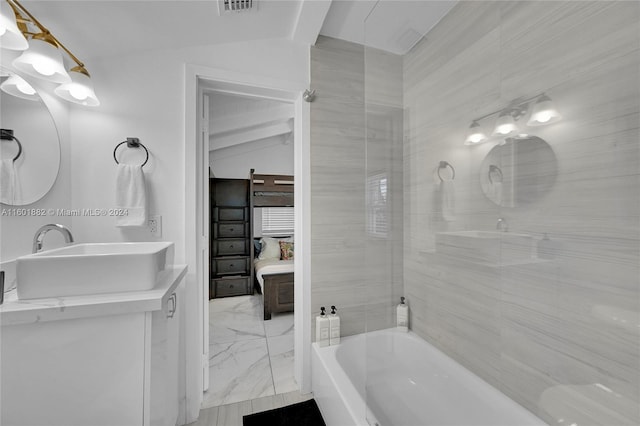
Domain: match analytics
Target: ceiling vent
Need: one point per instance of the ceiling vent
(227, 6)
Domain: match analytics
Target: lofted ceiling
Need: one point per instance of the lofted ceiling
(237, 120)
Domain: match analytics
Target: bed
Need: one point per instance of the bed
(274, 277)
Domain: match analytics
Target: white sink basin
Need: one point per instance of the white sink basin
(95, 268)
(486, 246)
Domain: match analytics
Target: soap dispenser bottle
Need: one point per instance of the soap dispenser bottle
(322, 329)
(402, 316)
(334, 327)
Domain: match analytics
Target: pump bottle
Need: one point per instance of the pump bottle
(402, 316)
(322, 329)
(334, 326)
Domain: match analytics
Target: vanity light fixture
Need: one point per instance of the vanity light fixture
(476, 135)
(10, 36)
(505, 125)
(43, 59)
(15, 85)
(79, 89)
(543, 112)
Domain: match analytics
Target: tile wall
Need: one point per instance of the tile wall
(350, 268)
(557, 329)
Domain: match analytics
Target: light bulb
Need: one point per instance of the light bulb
(475, 134)
(44, 67)
(543, 112)
(78, 92)
(25, 87)
(505, 124)
(17, 86)
(544, 116)
(43, 60)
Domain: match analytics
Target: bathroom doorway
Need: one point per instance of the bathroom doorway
(200, 81)
(251, 349)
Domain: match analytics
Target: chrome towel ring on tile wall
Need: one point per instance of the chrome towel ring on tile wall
(444, 165)
(132, 143)
(495, 170)
(7, 135)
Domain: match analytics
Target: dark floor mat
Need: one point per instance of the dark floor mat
(301, 414)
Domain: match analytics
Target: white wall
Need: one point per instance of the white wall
(143, 96)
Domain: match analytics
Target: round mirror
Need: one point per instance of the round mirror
(29, 144)
(518, 172)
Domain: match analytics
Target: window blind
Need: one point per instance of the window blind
(277, 221)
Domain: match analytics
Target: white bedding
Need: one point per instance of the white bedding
(271, 266)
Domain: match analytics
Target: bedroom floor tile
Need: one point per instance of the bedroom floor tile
(235, 318)
(279, 324)
(249, 358)
(239, 371)
(281, 358)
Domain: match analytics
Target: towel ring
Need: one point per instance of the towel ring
(494, 169)
(132, 143)
(7, 135)
(444, 165)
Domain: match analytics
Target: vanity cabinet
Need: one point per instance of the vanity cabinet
(98, 360)
(230, 264)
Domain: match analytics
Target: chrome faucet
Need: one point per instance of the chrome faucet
(502, 225)
(40, 233)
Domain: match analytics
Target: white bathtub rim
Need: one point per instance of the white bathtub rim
(347, 392)
(357, 406)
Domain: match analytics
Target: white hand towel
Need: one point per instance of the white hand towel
(447, 200)
(495, 192)
(131, 195)
(9, 183)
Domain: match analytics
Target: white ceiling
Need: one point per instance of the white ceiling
(99, 28)
(391, 25)
(103, 28)
(92, 28)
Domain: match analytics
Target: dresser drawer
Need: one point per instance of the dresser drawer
(231, 230)
(230, 247)
(231, 286)
(231, 265)
(230, 214)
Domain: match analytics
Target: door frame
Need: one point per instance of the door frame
(197, 80)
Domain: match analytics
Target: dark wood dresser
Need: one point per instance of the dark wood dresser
(230, 263)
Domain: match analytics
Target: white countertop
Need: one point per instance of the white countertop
(15, 312)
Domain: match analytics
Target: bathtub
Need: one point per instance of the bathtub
(409, 382)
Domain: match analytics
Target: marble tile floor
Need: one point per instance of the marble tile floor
(231, 414)
(249, 358)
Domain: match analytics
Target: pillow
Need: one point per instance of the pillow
(270, 249)
(257, 247)
(286, 250)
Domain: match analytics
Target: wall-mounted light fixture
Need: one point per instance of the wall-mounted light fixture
(42, 57)
(543, 112)
(15, 85)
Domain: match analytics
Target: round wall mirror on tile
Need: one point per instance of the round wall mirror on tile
(29, 143)
(518, 172)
